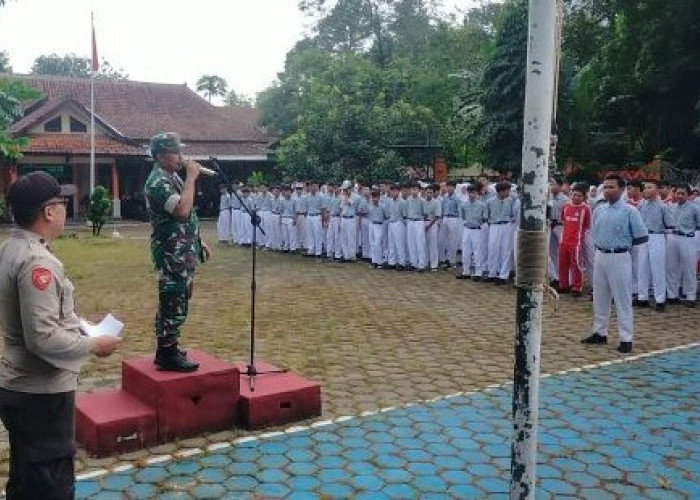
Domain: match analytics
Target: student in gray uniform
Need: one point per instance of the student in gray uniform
(415, 229)
(223, 223)
(473, 214)
(651, 256)
(501, 216)
(348, 224)
(246, 230)
(432, 209)
(616, 227)
(376, 216)
(334, 248)
(681, 252)
(299, 198)
(288, 216)
(314, 225)
(397, 230)
(275, 236)
(451, 226)
(264, 205)
(363, 222)
(236, 219)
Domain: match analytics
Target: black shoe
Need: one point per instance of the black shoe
(576, 293)
(476, 278)
(170, 359)
(673, 301)
(499, 281)
(462, 277)
(640, 303)
(690, 303)
(625, 347)
(388, 266)
(660, 307)
(595, 338)
(554, 284)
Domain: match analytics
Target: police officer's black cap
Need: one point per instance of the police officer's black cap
(31, 191)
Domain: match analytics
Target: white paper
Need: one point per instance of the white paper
(108, 326)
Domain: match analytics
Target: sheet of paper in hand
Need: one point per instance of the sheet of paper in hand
(108, 326)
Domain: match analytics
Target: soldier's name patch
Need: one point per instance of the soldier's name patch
(41, 277)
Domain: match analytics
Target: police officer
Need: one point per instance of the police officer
(43, 347)
(176, 246)
(617, 226)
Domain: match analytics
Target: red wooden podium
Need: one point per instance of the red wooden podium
(154, 406)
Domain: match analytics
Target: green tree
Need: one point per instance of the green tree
(211, 86)
(73, 66)
(5, 63)
(233, 99)
(503, 91)
(12, 93)
(98, 209)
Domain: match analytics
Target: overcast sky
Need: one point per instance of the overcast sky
(167, 41)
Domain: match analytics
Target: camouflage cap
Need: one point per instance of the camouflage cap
(165, 142)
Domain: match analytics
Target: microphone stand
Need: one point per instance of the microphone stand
(251, 371)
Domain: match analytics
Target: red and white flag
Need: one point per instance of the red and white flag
(95, 61)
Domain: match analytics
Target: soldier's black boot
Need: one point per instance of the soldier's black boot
(170, 359)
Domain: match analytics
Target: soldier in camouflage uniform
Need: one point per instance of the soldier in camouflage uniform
(176, 246)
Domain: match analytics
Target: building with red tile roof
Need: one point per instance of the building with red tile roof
(127, 115)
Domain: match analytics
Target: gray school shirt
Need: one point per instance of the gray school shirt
(396, 210)
(314, 204)
(432, 209)
(473, 213)
(655, 215)
(414, 208)
(500, 210)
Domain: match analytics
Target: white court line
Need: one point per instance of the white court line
(322, 423)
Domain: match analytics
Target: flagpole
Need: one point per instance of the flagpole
(92, 109)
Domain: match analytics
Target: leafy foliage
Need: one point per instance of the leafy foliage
(212, 86)
(12, 93)
(5, 63)
(74, 66)
(98, 209)
(257, 178)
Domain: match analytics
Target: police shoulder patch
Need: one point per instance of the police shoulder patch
(41, 277)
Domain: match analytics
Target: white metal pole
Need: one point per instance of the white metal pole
(532, 257)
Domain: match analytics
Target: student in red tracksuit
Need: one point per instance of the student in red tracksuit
(576, 221)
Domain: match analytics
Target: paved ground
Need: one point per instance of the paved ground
(624, 430)
(373, 339)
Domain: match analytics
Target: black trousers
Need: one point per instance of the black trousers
(41, 428)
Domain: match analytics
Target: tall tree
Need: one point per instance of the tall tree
(5, 63)
(504, 91)
(212, 86)
(73, 66)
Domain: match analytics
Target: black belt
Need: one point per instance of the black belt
(373, 222)
(313, 215)
(501, 222)
(287, 216)
(613, 250)
(452, 216)
(415, 220)
(656, 232)
(348, 216)
(472, 227)
(301, 213)
(687, 235)
(555, 223)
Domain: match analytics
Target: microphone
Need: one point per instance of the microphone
(206, 171)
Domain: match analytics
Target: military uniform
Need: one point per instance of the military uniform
(175, 251)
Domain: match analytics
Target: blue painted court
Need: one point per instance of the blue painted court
(625, 430)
